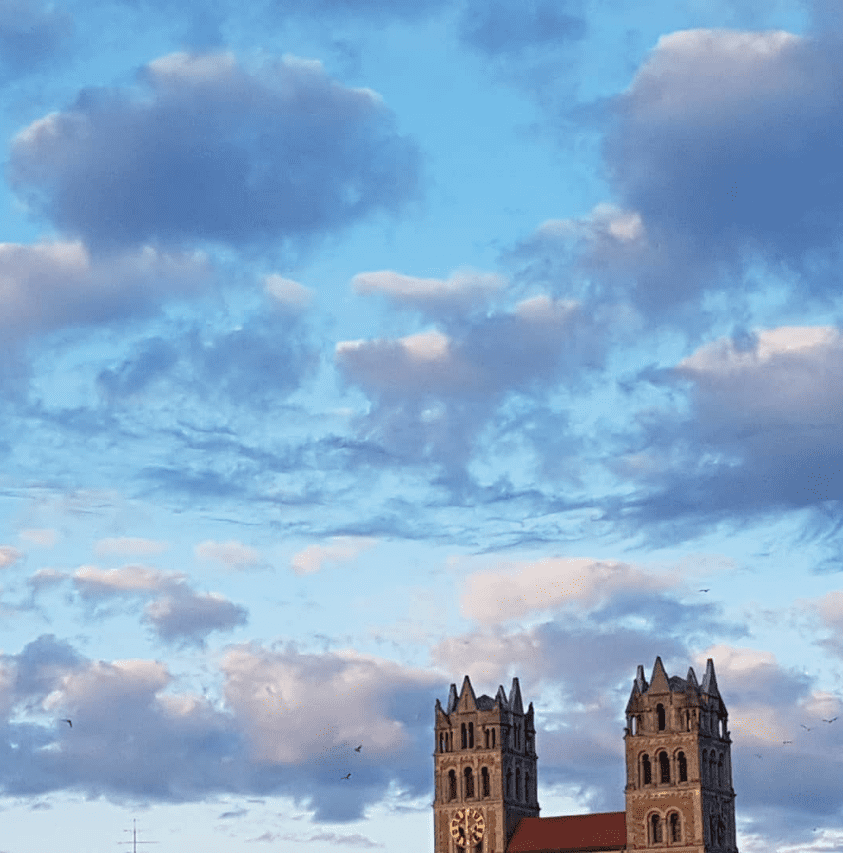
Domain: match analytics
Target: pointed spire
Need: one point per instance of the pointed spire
(500, 698)
(467, 700)
(640, 682)
(452, 700)
(659, 682)
(691, 678)
(709, 682)
(515, 697)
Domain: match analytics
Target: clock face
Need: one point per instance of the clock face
(467, 827)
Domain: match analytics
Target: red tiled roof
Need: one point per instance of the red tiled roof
(604, 831)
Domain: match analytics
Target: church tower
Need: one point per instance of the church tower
(485, 768)
(678, 765)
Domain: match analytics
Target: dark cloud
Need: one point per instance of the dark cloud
(208, 151)
(764, 434)
(726, 145)
(506, 27)
(31, 35)
(434, 392)
(187, 617)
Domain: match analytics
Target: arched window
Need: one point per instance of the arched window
(484, 780)
(633, 725)
(720, 775)
(661, 716)
(441, 741)
(712, 768)
(647, 775)
(675, 827)
(527, 787)
(464, 738)
(721, 831)
(518, 783)
(687, 721)
(712, 832)
(488, 739)
(471, 735)
(664, 766)
(493, 738)
(683, 767)
(469, 782)
(509, 783)
(655, 829)
(452, 785)
(704, 765)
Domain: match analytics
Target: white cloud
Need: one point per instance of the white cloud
(300, 707)
(123, 545)
(50, 285)
(9, 555)
(91, 581)
(464, 288)
(43, 536)
(339, 549)
(287, 292)
(517, 589)
(233, 554)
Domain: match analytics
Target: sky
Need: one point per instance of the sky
(349, 347)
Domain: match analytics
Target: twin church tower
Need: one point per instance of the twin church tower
(679, 791)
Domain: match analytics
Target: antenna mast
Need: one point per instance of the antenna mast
(134, 842)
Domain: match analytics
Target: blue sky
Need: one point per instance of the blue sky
(347, 348)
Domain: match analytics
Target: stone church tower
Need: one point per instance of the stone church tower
(485, 770)
(678, 765)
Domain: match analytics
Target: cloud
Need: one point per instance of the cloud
(264, 357)
(434, 391)
(51, 285)
(31, 35)
(287, 293)
(433, 296)
(724, 146)
(312, 559)
(93, 582)
(123, 545)
(187, 617)
(763, 432)
(233, 554)
(43, 536)
(210, 151)
(513, 591)
(506, 27)
(9, 555)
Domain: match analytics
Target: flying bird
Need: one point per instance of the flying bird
(787, 741)
(347, 777)
(757, 755)
(705, 590)
(830, 721)
(358, 748)
(805, 727)
(68, 722)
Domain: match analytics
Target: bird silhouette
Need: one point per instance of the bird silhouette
(705, 590)
(805, 727)
(347, 777)
(787, 741)
(757, 755)
(68, 722)
(358, 748)
(830, 721)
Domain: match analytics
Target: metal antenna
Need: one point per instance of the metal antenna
(134, 842)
